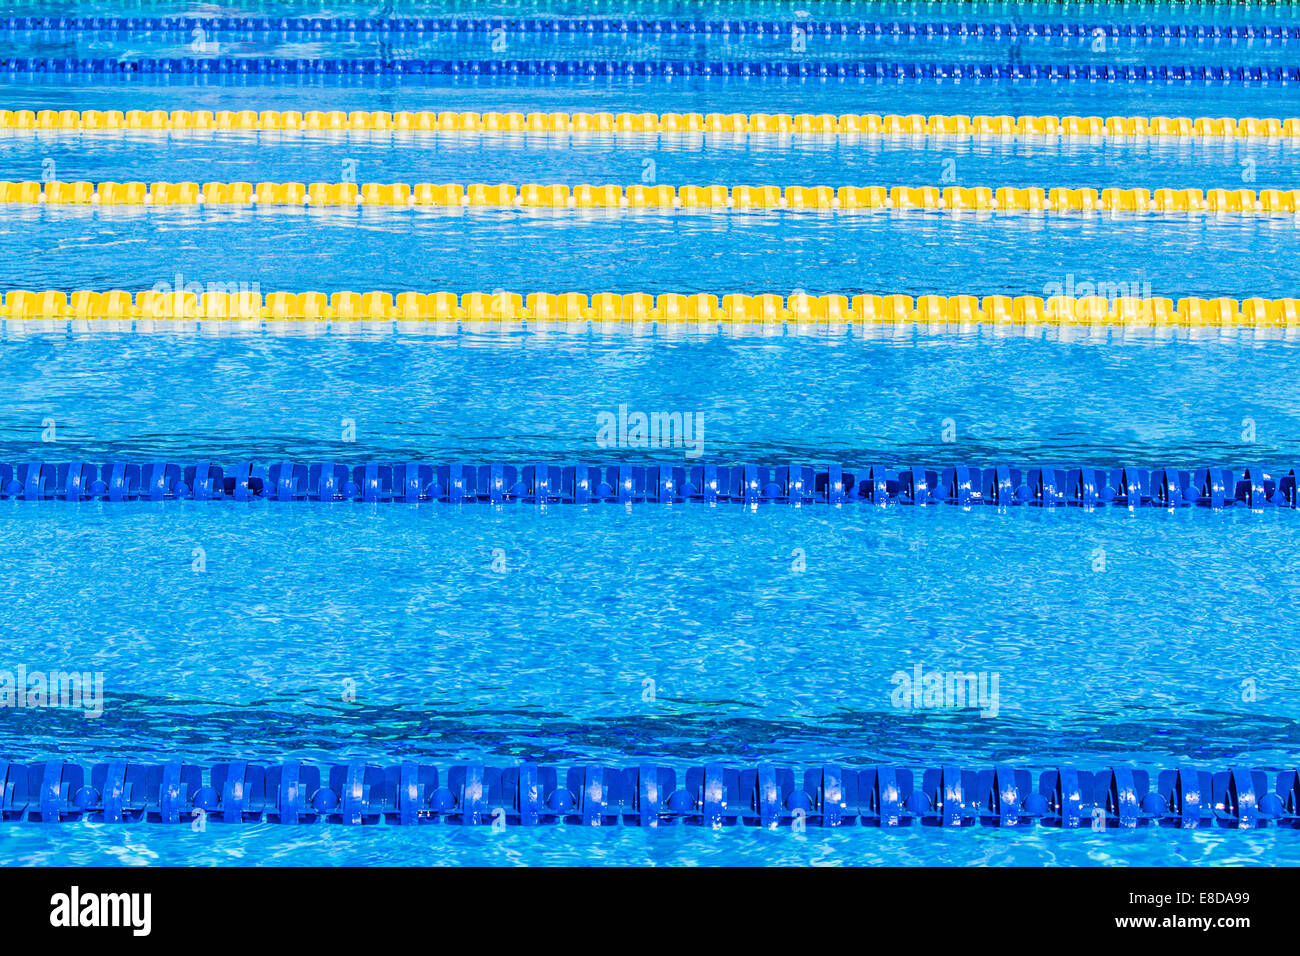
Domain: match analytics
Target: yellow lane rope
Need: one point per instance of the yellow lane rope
(715, 197)
(627, 310)
(511, 122)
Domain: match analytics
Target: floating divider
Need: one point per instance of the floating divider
(848, 124)
(117, 310)
(606, 26)
(798, 69)
(712, 795)
(764, 10)
(1253, 487)
(662, 197)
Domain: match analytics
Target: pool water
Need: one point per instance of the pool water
(387, 630)
(785, 46)
(445, 634)
(521, 398)
(649, 94)
(1150, 163)
(752, 252)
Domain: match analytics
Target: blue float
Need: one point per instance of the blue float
(800, 69)
(411, 27)
(1253, 487)
(714, 795)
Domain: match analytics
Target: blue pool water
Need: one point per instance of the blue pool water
(1113, 51)
(750, 659)
(523, 399)
(445, 634)
(751, 252)
(652, 94)
(1149, 163)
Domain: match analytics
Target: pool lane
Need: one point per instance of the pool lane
(791, 45)
(330, 631)
(932, 401)
(913, 252)
(648, 94)
(571, 159)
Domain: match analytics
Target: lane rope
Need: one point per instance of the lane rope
(805, 68)
(607, 26)
(1252, 487)
(656, 197)
(712, 795)
(244, 309)
(916, 124)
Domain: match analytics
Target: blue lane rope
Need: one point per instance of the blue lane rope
(321, 27)
(844, 69)
(1252, 487)
(713, 795)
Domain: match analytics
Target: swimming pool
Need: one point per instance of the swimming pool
(740, 635)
